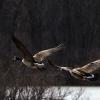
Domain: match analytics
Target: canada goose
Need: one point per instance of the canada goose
(34, 61)
(82, 73)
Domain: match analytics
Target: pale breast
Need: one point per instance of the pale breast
(27, 63)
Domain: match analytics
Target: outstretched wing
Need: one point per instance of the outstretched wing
(42, 55)
(91, 67)
(27, 55)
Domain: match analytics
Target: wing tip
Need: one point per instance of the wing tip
(62, 46)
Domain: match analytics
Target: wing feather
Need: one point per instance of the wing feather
(91, 67)
(42, 55)
(22, 48)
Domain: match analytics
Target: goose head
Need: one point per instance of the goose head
(15, 58)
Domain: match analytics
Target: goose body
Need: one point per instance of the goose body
(26, 62)
(31, 65)
(82, 73)
(34, 61)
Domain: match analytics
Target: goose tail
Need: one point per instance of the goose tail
(93, 77)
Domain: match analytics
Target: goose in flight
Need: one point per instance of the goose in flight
(34, 61)
(82, 73)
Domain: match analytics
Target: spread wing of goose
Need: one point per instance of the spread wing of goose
(42, 55)
(82, 73)
(91, 67)
(34, 61)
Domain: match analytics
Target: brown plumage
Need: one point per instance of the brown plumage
(42, 55)
(82, 73)
(29, 59)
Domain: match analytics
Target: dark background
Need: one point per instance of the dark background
(43, 24)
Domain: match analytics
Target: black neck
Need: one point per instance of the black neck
(17, 58)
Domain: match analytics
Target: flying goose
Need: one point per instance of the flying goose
(82, 73)
(34, 61)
